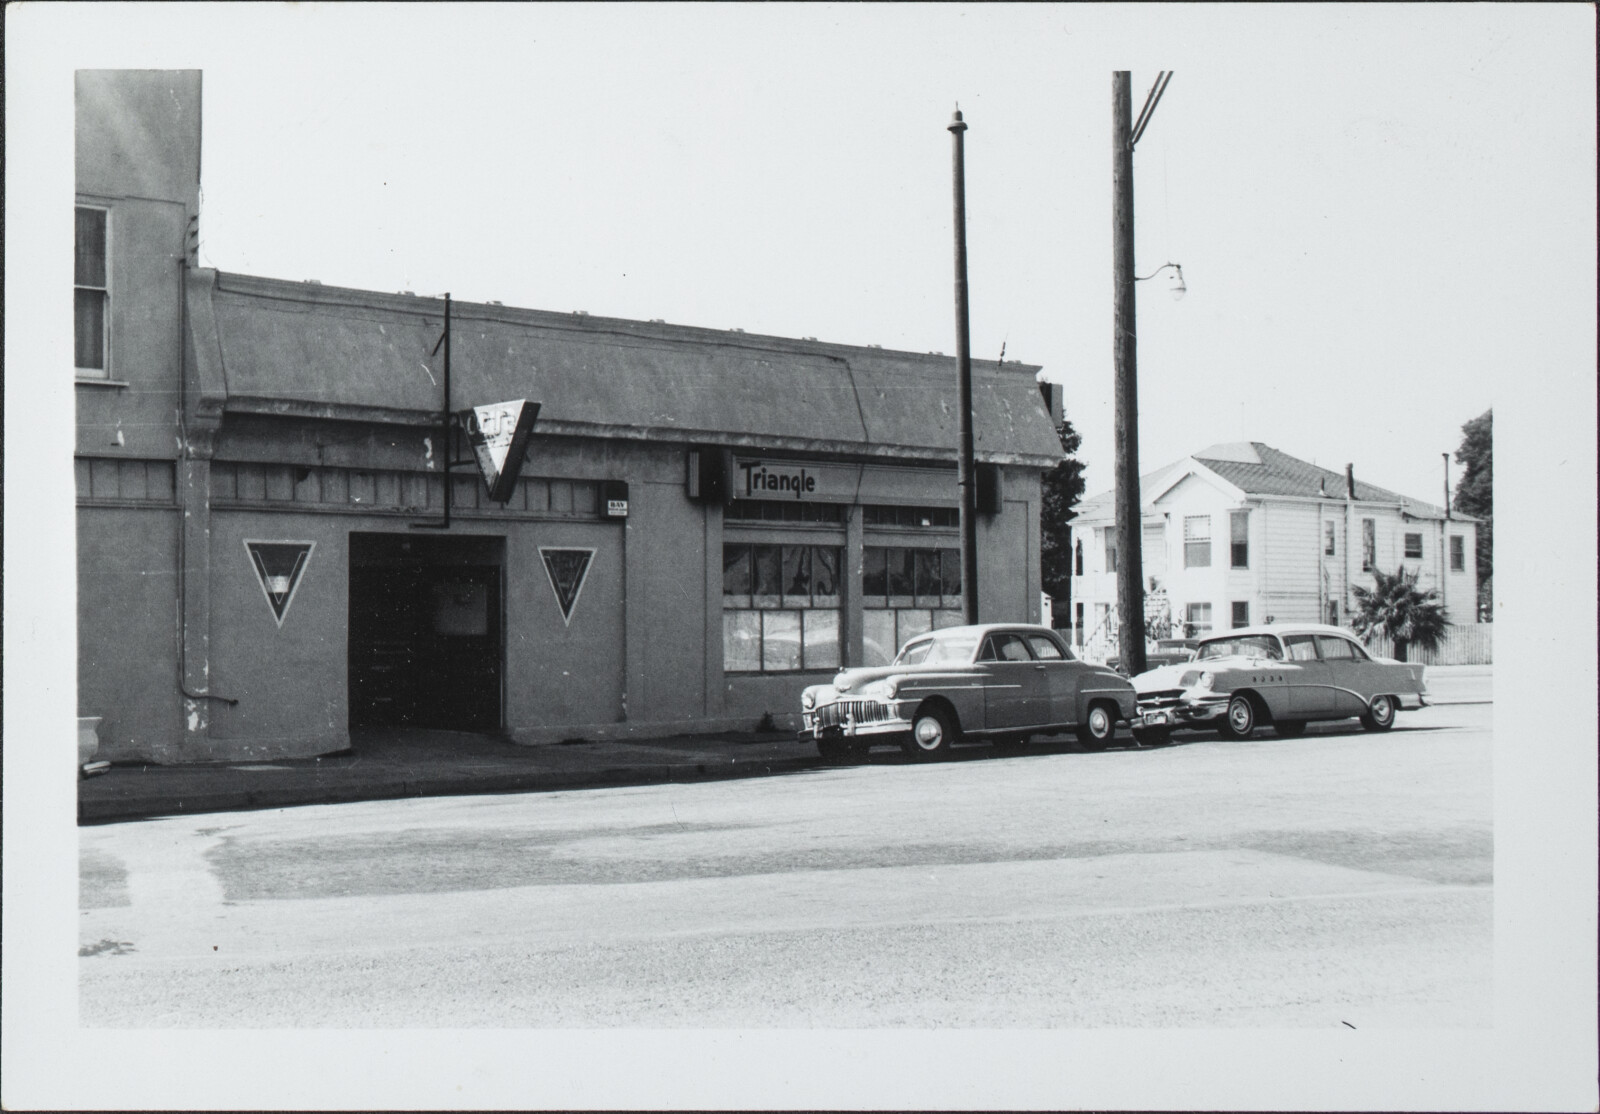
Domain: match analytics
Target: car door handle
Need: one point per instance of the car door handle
(1040, 667)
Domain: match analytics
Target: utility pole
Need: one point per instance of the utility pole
(1125, 133)
(1130, 561)
(965, 468)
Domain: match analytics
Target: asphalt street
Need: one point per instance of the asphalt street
(1339, 880)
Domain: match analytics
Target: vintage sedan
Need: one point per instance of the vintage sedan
(1281, 675)
(998, 682)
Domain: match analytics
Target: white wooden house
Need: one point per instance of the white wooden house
(1241, 533)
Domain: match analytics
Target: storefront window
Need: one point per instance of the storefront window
(906, 592)
(780, 608)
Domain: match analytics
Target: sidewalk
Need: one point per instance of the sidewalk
(387, 765)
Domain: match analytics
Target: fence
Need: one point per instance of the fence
(1463, 644)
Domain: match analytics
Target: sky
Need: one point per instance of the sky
(1378, 211)
(1385, 215)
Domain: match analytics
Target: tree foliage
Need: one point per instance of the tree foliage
(1475, 494)
(1062, 487)
(1394, 606)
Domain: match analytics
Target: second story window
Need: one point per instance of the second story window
(91, 296)
(1413, 545)
(1111, 551)
(1369, 544)
(1240, 539)
(1077, 558)
(1328, 534)
(1458, 553)
(1197, 541)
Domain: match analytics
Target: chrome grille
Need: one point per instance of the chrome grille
(860, 711)
(1161, 698)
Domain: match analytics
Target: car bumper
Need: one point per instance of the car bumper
(1183, 713)
(853, 718)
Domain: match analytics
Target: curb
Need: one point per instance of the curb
(103, 811)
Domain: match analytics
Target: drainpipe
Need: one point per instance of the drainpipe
(1349, 495)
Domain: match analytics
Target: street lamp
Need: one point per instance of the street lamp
(1176, 288)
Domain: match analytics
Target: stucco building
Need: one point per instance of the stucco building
(1242, 533)
(704, 522)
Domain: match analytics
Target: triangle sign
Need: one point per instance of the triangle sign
(567, 569)
(499, 435)
(279, 567)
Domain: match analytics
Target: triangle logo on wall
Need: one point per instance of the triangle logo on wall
(279, 567)
(567, 569)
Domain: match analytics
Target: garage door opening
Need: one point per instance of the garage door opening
(426, 633)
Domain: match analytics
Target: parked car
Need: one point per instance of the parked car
(999, 682)
(1168, 651)
(1281, 675)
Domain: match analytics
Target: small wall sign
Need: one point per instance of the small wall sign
(279, 566)
(567, 570)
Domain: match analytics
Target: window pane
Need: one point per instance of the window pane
(1413, 545)
(913, 621)
(950, 575)
(942, 619)
(822, 639)
(736, 571)
(1369, 544)
(741, 640)
(767, 586)
(874, 574)
(780, 641)
(1300, 647)
(1327, 538)
(797, 576)
(1240, 539)
(900, 577)
(928, 583)
(89, 255)
(877, 643)
(89, 329)
(824, 576)
(1043, 648)
(1333, 649)
(1458, 550)
(1241, 613)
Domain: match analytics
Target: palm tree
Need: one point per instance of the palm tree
(1397, 608)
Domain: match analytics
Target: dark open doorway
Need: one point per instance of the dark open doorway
(426, 633)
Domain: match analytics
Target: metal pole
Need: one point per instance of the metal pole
(1130, 562)
(965, 468)
(444, 427)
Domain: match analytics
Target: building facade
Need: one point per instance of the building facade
(1242, 533)
(283, 534)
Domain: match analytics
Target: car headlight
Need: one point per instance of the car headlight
(1207, 679)
(879, 690)
(808, 700)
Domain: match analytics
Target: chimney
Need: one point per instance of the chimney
(1349, 481)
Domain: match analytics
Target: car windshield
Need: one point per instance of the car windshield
(939, 649)
(1246, 646)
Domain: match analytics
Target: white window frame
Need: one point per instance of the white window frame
(1235, 518)
(104, 371)
(1191, 523)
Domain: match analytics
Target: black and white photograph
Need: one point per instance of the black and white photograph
(800, 556)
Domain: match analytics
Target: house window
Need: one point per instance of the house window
(1077, 557)
(1197, 542)
(1240, 538)
(1369, 544)
(780, 608)
(905, 592)
(1458, 553)
(1077, 622)
(1413, 545)
(1111, 551)
(91, 295)
(1241, 613)
(1197, 620)
(1327, 539)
